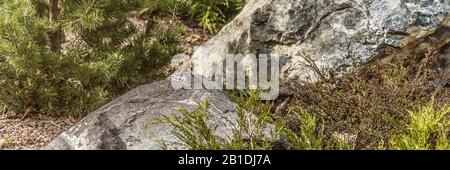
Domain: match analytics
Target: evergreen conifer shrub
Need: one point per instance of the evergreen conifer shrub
(71, 56)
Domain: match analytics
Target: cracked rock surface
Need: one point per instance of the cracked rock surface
(330, 35)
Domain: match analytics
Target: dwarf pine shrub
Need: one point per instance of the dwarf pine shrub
(70, 56)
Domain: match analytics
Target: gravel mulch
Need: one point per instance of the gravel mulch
(30, 133)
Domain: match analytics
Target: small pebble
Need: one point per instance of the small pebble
(11, 114)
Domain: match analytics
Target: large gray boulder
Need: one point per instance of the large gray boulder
(332, 36)
(124, 123)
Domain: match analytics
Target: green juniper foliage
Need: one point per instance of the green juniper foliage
(70, 56)
(306, 138)
(426, 130)
(194, 131)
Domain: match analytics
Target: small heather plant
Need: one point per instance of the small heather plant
(370, 103)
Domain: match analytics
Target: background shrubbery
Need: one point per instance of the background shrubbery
(211, 15)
